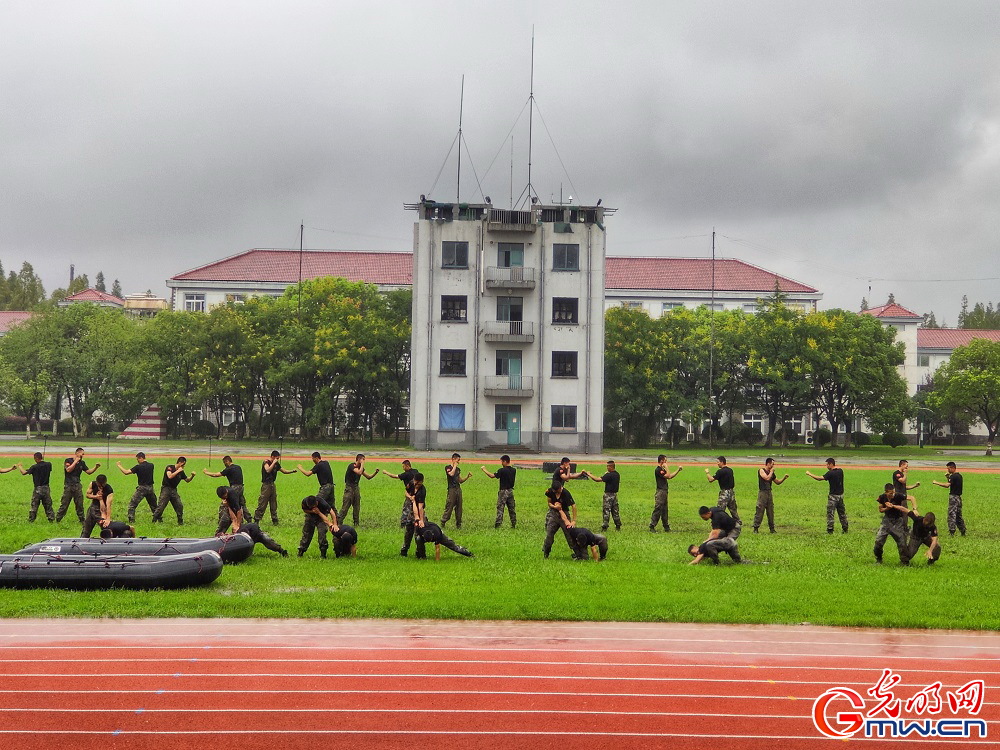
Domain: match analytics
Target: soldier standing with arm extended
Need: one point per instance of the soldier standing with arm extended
(661, 506)
(143, 471)
(324, 475)
(727, 486)
(352, 487)
(609, 505)
(72, 489)
(268, 498)
(765, 499)
(406, 517)
(40, 472)
(506, 474)
(954, 485)
(455, 482)
(835, 497)
(173, 475)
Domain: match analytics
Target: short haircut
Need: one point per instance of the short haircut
(78, 450)
(888, 486)
(38, 455)
(315, 454)
(903, 461)
(181, 460)
(455, 455)
(951, 465)
(721, 458)
(222, 492)
(406, 462)
(611, 463)
(505, 459)
(227, 458)
(565, 460)
(693, 550)
(359, 456)
(769, 460)
(102, 478)
(703, 510)
(832, 461)
(140, 454)
(418, 477)
(309, 501)
(929, 519)
(661, 458)
(275, 454)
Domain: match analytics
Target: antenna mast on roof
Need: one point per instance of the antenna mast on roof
(302, 229)
(531, 109)
(461, 107)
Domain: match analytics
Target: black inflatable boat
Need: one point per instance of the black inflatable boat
(232, 548)
(37, 570)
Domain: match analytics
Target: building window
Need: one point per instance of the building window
(451, 416)
(563, 418)
(454, 307)
(668, 306)
(632, 305)
(508, 362)
(510, 308)
(453, 361)
(504, 414)
(564, 310)
(750, 307)
(454, 255)
(565, 257)
(236, 299)
(754, 421)
(923, 360)
(510, 254)
(194, 302)
(564, 364)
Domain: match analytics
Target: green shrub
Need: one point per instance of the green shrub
(894, 439)
(203, 428)
(861, 439)
(822, 437)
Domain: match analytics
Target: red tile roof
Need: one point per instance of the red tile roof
(891, 310)
(92, 295)
(10, 318)
(694, 274)
(275, 265)
(951, 338)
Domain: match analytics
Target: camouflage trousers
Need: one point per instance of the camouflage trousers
(725, 544)
(727, 501)
(914, 547)
(351, 501)
(71, 493)
(41, 495)
(93, 519)
(169, 495)
(268, 499)
(661, 510)
(609, 507)
(583, 551)
(553, 523)
(895, 528)
(311, 525)
(325, 492)
(765, 504)
(955, 518)
(142, 491)
(505, 499)
(835, 503)
(454, 504)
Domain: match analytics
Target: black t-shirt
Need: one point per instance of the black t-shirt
(407, 476)
(899, 482)
(102, 491)
(351, 478)
(40, 473)
(566, 500)
(892, 512)
(168, 482)
(722, 521)
(73, 477)
(764, 484)
(431, 533)
(114, 530)
(506, 475)
(323, 473)
(233, 501)
(612, 481)
(836, 479)
(583, 537)
(322, 507)
(268, 477)
(346, 534)
(143, 473)
(921, 532)
(233, 473)
(557, 478)
(660, 474)
(955, 484)
(420, 496)
(703, 549)
(453, 478)
(725, 478)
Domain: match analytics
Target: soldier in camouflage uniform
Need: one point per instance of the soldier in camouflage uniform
(173, 475)
(893, 525)
(609, 506)
(143, 471)
(954, 485)
(73, 490)
(317, 517)
(507, 475)
(406, 518)
(40, 472)
(727, 486)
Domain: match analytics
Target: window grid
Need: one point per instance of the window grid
(453, 361)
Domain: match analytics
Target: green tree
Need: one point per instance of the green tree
(22, 290)
(25, 383)
(116, 289)
(78, 284)
(968, 384)
(99, 284)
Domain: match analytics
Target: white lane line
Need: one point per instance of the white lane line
(602, 664)
(547, 650)
(425, 675)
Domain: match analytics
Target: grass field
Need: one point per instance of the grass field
(797, 575)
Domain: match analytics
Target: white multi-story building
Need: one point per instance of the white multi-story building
(508, 327)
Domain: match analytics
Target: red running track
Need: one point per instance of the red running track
(266, 684)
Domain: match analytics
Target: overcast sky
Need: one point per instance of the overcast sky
(843, 144)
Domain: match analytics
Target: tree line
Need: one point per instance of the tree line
(23, 290)
(329, 356)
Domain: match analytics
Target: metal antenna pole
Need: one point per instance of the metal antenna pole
(461, 107)
(711, 351)
(531, 109)
(302, 230)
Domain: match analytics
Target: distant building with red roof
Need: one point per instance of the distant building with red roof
(11, 318)
(93, 296)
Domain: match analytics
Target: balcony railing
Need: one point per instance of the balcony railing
(513, 277)
(510, 221)
(510, 386)
(513, 331)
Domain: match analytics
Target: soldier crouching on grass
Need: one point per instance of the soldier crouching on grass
(924, 532)
(317, 519)
(234, 508)
(116, 530)
(588, 544)
(711, 550)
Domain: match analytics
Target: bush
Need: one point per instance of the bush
(822, 437)
(750, 435)
(792, 435)
(894, 439)
(706, 433)
(677, 434)
(861, 439)
(203, 428)
(13, 424)
(66, 426)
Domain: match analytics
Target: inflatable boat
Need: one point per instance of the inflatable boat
(38, 570)
(232, 548)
